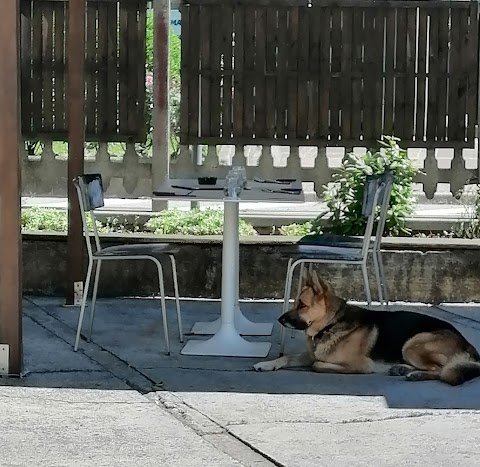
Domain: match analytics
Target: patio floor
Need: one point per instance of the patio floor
(289, 417)
(130, 330)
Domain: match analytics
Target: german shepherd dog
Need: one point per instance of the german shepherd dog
(343, 338)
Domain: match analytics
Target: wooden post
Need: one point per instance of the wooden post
(10, 187)
(161, 117)
(76, 140)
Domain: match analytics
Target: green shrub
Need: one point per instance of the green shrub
(51, 220)
(38, 219)
(194, 222)
(175, 50)
(466, 229)
(296, 230)
(470, 226)
(174, 93)
(344, 195)
(175, 55)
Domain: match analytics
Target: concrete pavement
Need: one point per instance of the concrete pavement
(122, 401)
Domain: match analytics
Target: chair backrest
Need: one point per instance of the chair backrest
(377, 190)
(387, 179)
(89, 189)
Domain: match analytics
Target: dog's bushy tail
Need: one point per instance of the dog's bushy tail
(460, 369)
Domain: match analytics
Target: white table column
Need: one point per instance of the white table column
(227, 341)
(243, 325)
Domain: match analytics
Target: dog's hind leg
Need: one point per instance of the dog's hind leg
(424, 357)
(366, 366)
(287, 361)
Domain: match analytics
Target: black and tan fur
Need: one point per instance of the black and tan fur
(343, 338)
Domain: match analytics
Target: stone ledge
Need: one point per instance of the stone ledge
(417, 269)
(388, 243)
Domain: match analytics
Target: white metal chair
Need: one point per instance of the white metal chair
(90, 197)
(337, 249)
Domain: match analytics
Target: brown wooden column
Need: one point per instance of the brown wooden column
(76, 139)
(161, 118)
(10, 186)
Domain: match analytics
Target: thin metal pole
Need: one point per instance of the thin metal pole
(197, 154)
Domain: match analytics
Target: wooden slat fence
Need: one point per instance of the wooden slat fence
(114, 69)
(330, 72)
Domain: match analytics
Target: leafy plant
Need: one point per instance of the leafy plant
(194, 222)
(344, 195)
(174, 91)
(34, 148)
(51, 220)
(470, 227)
(296, 230)
(175, 49)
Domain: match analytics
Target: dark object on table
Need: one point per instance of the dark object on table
(172, 193)
(207, 180)
(192, 188)
(281, 181)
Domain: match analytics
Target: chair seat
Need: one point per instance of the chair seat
(331, 240)
(138, 249)
(335, 253)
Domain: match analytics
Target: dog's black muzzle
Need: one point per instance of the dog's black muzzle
(290, 319)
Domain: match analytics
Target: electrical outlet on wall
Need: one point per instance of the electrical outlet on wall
(77, 293)
(4, 359)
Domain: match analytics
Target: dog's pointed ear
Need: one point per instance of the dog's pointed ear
(318, 284)
(307, 278)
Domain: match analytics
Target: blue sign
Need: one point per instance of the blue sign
(176, 21)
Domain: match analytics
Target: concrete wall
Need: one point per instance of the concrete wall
(130, 176)
(426, 270)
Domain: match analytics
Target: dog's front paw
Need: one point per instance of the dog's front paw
(266, 366)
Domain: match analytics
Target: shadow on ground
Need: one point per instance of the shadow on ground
(128, 346)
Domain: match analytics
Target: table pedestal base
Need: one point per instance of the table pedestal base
(244, 326)
(227, 343)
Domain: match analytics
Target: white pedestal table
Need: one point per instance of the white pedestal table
(228, 329)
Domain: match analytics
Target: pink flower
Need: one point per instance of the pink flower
(149, 79)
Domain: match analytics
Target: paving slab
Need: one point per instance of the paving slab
(441, 441)
(72, 427)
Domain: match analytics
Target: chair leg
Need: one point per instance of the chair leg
(376, 267)
(84, 302)
(163, 304)
(94, 299)
(382, 276)
(285, 332)
(366, 283)
(177, 296)
(282, 329)
(286, 301)
(300, 280)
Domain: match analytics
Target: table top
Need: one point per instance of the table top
(268, 191)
